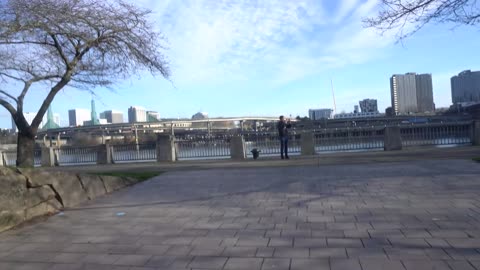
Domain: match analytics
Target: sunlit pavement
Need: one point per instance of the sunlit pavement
(403, 215)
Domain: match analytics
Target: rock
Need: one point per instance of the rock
(93, 185)
(113, 183)
(67, 185)
(13, 189)
(46, 207)
(38, 195)
(130, 181)
(9, 219)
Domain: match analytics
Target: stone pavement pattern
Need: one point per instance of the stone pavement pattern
(408, 215)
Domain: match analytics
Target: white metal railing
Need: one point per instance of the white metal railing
(349, 139)
(134, 152)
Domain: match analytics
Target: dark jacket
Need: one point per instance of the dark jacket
(283, 128)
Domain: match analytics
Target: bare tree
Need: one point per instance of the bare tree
(54, 44)
(409, 16)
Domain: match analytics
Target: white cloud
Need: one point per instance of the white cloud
(214, 40)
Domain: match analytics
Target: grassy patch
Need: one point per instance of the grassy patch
(140, 176)
(477, 159)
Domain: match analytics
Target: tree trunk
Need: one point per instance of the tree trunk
(25, 147)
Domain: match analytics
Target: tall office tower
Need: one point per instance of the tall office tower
(466, 87)
(137, 114)
(112, 117)
(76, 117)
(411, 93)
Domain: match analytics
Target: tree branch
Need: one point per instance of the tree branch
(59, 49)
(8, 106)
(8, 95)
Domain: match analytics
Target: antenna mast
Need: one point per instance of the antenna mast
(334, 102)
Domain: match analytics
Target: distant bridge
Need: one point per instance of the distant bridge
(168, 125)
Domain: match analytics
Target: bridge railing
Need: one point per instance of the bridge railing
(74, 155)
(9, 158)
(268, 143)
(203, 146)
(437, 134)
(133, 152)
(226, 145)
(349, 139)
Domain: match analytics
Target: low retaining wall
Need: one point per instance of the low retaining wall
(28, 193)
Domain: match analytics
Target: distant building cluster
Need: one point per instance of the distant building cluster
(318, 114)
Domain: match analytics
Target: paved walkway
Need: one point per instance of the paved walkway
(405, 215)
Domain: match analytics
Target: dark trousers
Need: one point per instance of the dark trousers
(284, 146)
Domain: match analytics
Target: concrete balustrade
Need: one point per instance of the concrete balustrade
(104, 154)
(307, 144)
(166, 148)
(476, 133)
(392, 139)
(237, 148)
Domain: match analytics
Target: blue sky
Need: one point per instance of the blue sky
(271, 57)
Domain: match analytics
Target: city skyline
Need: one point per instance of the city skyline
(273, 58)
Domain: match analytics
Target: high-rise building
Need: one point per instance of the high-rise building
(137, 114)
(112, 117)
(368, 105)
(424, 93)
(411, 93)
(317, 114)
(466, 87)
(153, 116)
(76, 117)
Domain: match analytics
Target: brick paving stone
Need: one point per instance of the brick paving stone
(345, 264)
(243, 263)
(328, 253)
(438, 243)
(381, 264)
(68, 257)
(464, 243)
(282, 252)
(309, 264)
(200, 251)
(108, 259)
(376, 242)
(266, 252)
(408, 243)
(164, 262)
(208, 262)
(240, 252)
(344, 242)
(366, 253)
(252, 241)
(460, 265)
(153, 250)
(310, 242)
(425, 265)
(178, 251)
(280, 242)
(276, 264)
(133, 260)
(406, 253)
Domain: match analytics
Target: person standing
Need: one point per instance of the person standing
(283, 127)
